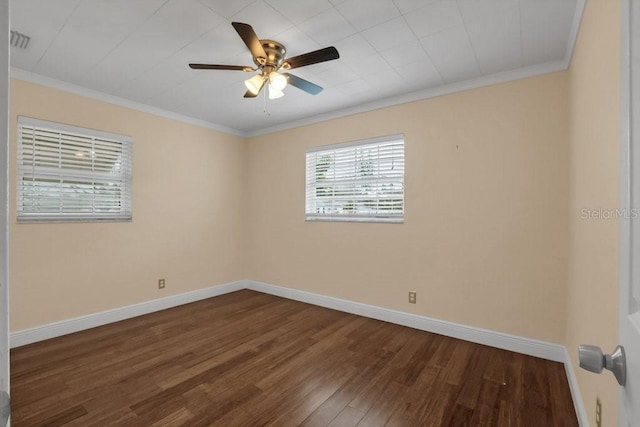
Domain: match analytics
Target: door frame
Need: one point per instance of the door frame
(624, 223)
(4, 193)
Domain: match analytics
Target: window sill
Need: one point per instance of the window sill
(355, 219)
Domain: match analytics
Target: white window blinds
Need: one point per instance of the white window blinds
(358, 181)
(67, 173)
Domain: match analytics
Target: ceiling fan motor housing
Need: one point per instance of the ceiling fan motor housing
(275, 55)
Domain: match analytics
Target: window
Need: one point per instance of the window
(67, 173)
(356, 181)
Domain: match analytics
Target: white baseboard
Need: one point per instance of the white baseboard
(518, 344)
(64, 327)
(578, 403)
(529, 346)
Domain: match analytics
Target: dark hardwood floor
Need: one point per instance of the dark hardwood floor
(252, 359)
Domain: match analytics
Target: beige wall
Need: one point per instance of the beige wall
(484, 238)
(486, 191)
(592, 310)
(188, 204)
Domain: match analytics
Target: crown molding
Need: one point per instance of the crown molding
(497, 78)
(573, 34)
(493, 79)
(27, 76)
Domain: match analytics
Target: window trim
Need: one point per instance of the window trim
(395, 219)
(127, 142)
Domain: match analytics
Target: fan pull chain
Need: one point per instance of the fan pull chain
(264, 108)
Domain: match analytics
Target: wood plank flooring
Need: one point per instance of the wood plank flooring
(250, 359)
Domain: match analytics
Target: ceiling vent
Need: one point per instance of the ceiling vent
(19, 40)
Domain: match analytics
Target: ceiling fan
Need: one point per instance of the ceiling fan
(269, 58)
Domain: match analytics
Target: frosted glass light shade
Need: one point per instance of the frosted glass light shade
(277, 80)
(254, 84)
(275, 93)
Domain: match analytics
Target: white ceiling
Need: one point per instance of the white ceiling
(390, 50)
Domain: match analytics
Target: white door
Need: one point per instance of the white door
(4, 203)
(629, 287)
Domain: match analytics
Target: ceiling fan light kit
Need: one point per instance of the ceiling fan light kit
(277, 80)
(269, 58)
(275, 93)
(255, 83)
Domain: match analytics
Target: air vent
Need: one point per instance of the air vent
(19, 40)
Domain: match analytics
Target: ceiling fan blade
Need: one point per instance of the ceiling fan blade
(249, 37)
(220, 67)
(303, 84)
(250, 94)
(321, 55)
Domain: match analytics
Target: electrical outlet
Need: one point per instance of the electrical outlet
(161, 284)
(412, 297)
(598, 412)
